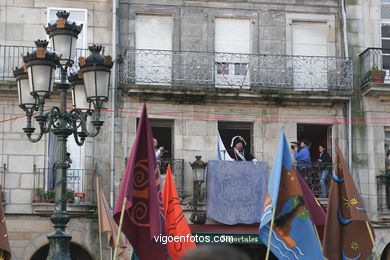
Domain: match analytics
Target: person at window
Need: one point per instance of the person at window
(302, 156)
(159, 150)
(239, 153)
(325, 164)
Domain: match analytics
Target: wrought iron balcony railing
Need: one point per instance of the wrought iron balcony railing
(374, 58)
(11, 57)
(232, 70)
(177, 167)
(80, 182)
(315, 178)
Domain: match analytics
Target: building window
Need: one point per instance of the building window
(222, 68)
(232, 46)
(228, 130)
(153, 43)
(163, 131)
(387, 139)
(385, 35)
(309, 39)
(240, 68)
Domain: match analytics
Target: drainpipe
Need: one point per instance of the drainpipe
(113, 108)
(346, 50)
(113, 100)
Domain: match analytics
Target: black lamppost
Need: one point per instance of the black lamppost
(198, 171)
(35, 83)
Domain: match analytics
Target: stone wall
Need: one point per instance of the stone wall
(270, 22)
(363, 32)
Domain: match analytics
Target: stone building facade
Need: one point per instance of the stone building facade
(204, 68)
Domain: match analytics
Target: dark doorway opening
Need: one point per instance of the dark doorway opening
(76, 253)
(316, 135)
(228, 130)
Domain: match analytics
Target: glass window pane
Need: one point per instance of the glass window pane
(385, 29)
(385, 10)
(222, 68)
(240, 68)
(386, 44)
(386, 66)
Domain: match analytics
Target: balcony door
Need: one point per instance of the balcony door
(232, 46)
(153, 43)
(309, 55)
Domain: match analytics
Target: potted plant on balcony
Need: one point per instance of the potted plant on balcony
(38, 194)
(70, 196)
(377, 75)
(79, 196)
(50, 195)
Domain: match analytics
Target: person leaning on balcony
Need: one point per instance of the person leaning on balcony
(239, 153)
(303, 159)
(324, 162)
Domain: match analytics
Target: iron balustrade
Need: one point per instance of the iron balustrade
(313, 178)
(80, 181)
(11, 57)
(177, 167)
(374, 58)
(233, 70)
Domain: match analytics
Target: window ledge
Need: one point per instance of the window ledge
(72, 209)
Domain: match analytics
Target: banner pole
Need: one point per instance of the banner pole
(120, 227)
(270, 233)
(373, 240)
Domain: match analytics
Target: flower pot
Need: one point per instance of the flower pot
(50, 200)
(378, 76)
(37, 198)
(79, 194)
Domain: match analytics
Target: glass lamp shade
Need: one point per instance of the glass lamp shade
(41, 79)
(26, 100)
(96, 82)
(65, 46)
(198, 173)
(79, 98)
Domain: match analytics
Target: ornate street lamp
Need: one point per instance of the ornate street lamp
(35, 83)
(198, 172)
